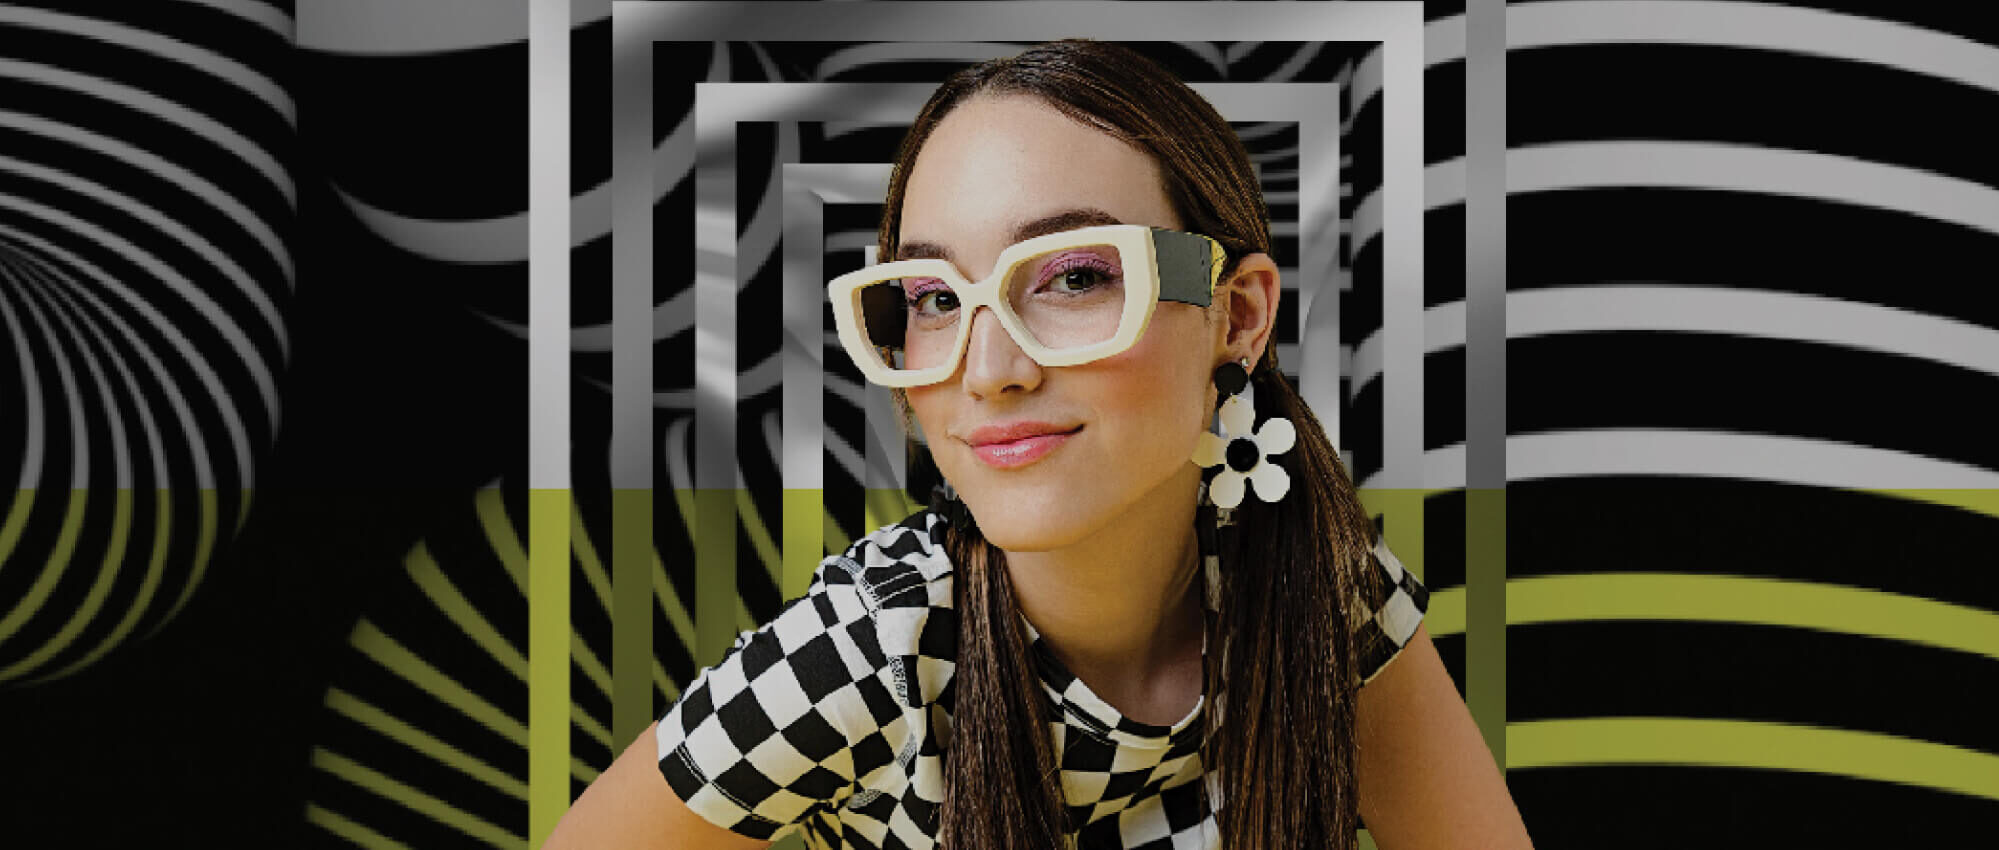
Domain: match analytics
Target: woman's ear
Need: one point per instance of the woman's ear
(1251, 297)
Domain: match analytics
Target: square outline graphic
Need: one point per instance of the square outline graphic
(1398, 26)
(720, 106)
(709, 152)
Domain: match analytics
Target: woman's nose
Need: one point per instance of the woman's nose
(993, 361)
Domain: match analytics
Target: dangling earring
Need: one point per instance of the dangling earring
(1245, 458)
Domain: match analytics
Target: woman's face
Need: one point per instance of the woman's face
(991, 165)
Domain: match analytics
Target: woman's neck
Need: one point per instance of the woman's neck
(1122, 608)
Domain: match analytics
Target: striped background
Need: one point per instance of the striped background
(147, 273)
(1747, 526)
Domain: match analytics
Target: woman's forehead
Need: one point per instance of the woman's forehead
(994, 167)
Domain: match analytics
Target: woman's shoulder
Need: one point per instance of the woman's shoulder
(900, 575)
(891, 564)
(818, 702)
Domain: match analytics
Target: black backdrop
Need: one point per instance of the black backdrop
(399, 402)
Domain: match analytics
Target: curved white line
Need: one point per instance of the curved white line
(845, 457)
(1443, 41)
(221, 201)
(223, 68)
(168, 385)
(761, 378)
(424, 27)
(1758, 26)
(1264, 128)
(669, 317)
(1752, 313)
(138, 100)
(673, 160)
(1443, 185)
(1713, 166)
(203, 466)
(770, 69)
(503, 239)
(262, 14)
(480, 241)
(1296, 64)
(140, 401)
(1275, 155)
(679, 470)
(845, 390)
(161, 478)
(71, 397)
(110, 412)
(52, 569)
(1732, 23)
(669, 399)
(224, 324)
(773, 441)
(1709, 454)
(1744, 168)
(1367, 82)
(759, 240)
(1758, 314)
(31, 393)
(193, 241)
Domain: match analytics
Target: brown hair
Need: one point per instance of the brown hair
(1285, 671)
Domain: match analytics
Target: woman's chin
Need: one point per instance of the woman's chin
(1032, 525)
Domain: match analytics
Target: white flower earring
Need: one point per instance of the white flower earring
(1245, 458)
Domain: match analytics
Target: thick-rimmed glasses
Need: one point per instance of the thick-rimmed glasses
(1066, 298)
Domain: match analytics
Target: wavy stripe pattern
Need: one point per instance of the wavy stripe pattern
(427, 717)
(1740, 336)
(144, 278)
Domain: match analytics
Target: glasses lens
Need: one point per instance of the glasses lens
(1069, 297)
(909, 322)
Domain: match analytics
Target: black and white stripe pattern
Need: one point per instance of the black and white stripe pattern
(1749, 259)
(145, 273)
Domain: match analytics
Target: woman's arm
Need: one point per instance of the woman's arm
(631, 807)
(1427, 779)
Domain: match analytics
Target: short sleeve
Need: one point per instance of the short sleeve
(791, 716)
(1385, 617)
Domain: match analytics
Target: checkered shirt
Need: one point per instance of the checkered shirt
(834, 717)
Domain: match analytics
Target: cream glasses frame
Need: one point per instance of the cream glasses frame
(1157, 264)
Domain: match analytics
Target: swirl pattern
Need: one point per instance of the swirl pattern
(144, 277)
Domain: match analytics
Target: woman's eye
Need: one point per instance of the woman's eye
(1075, 280)
(935, 301)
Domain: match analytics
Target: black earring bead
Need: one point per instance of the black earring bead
(1230, 377)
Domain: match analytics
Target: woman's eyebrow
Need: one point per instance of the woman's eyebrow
(1069, 219)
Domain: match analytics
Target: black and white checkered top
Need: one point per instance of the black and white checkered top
(836, 715)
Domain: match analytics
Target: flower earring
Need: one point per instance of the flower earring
(1245, 458)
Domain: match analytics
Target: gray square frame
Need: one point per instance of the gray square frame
(709, 149)
(1397, 26)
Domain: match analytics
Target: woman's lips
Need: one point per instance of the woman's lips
(1021, 452)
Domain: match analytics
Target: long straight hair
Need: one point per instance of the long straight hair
(1279, 727)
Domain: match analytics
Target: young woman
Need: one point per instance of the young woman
(1144, 608)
